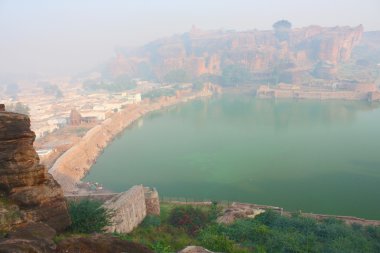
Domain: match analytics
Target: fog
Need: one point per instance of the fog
(67, 37)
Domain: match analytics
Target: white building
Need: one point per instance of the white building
(100, 115)
(132, 98)
(42, 153)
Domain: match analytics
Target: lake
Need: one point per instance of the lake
(314, 156)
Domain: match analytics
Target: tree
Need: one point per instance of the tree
(177, 76)
(18, 108)
(282, 29)
(190, 218)
(52, 89)
(234, 75)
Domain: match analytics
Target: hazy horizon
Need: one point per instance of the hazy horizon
(59, 38)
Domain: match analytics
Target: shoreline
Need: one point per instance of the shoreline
(74, 164)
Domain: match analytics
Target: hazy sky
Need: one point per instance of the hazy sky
(74, 35)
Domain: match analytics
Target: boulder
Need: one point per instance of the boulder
(194, 249)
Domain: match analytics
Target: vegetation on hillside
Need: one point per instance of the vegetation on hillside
(268, 232)
(52, 89)
(234, 75)
(158, 93)
(88, 216)
(18, 108)
(282, 29)
(121, 83)
(183, 225)
(177, 76)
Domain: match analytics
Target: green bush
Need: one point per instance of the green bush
(151, 221)
(161, 247)
(212, 238)
(88, 216)
(189, 218)
(214, 211)
(218, 243)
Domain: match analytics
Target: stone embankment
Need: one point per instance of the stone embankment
(75, 163)
(295, 92)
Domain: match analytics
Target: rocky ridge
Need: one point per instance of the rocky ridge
(208, 52)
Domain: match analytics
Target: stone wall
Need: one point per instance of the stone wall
(129, 209)
(152, 201)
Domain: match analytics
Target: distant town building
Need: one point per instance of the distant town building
(89, 119)
(132, 98)
(75, 118)
(42, 153)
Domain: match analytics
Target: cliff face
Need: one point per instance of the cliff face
(24, 182)
(200, 52)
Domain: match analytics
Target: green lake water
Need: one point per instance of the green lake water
(320, 157)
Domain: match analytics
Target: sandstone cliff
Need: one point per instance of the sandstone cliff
(24, 182)
(208, 52)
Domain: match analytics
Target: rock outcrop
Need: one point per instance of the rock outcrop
(99, 244)
(24, 182)
(208, 52)
(38, 238)
(194, 249)
(31, 237)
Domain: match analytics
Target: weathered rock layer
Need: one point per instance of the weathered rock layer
(23, 180)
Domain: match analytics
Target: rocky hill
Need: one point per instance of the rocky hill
(293, 52)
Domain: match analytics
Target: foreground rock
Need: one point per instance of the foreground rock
(239, 211)
(38, 238)
(31, 237)
(99, 244)
(194, 249)
(23, 180)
